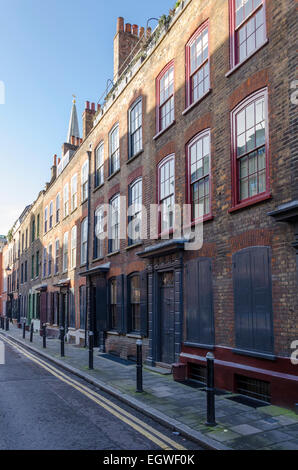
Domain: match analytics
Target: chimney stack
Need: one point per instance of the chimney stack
(124, 43)
(87, 118)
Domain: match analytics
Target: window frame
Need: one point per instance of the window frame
(57, 254)
(74, 192)
(58, 200)
(84, 242)
(234, 63)
(98, 248)
(45, 223)
(130, 326)
(196, 138)
(73, 247)
(51, 208)
(236, 202)
(50, 258)
(66, 200)
(85, 181)
(192, 39)
(136, 181)
(159, 200)
(137, 102)
(65, 253)
(111, 241)
(99, 167)
(169, 65)
(111, 154)
(111, 326)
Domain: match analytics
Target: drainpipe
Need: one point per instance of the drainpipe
(88, 291)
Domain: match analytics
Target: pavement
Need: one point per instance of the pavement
(180, 407)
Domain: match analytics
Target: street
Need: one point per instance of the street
(42, 407)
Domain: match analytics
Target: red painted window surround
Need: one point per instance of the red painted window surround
(203, 66)
(237, 203)
(160, 199)
(249, 30)
(159, 128)
(201, 137)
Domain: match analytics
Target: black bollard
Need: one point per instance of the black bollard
(24, 328)
(210, 391)
(139, 366)
(7, 324)
(91, 335)
(44, 335)
(31, 333)
(62, 341)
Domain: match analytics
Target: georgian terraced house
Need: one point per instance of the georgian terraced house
(199, 113)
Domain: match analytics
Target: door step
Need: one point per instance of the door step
(159, 370)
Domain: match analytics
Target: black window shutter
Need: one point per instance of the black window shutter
(253, 299)
(144, 303)
(119, 281)
(242, 299)
(192, 304)
(206, 324)
(261, 299)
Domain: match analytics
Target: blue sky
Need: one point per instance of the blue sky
(49, 50)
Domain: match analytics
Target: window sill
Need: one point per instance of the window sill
(112, 332)
(130, 247)
(97, 259)
(73, 210)
(83, 265)
(164, 130)
(195, 103)
(113, 253)
(134, 156)
(83, 202)
(134, 335)
(198, 345)
(236, 67)
(203, 219)
(113, 174)
(98, 187)
(259, 355)
(250, 202)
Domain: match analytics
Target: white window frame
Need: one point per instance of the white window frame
(84, 240)
(84, 180)
(65, 252)
(66, 200)
(73, 249)
(74, 192)
(99, 165)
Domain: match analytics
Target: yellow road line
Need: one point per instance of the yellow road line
(111, 407)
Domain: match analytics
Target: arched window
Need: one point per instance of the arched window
(250, 149)
(165, 97)
(198, 156)
(197, 65)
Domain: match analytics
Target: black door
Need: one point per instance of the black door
(167, 318)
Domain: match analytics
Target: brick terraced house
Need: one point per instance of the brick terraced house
(199, 113)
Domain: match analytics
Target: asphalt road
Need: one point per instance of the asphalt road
(44, 408)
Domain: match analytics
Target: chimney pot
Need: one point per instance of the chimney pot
(120, 24)
(72, 140)
(98, 107)
(55, 160)
(87, 106)
(148, 32)
(142, 31)
(93, 107)
(128, 28)
(59, 160)
(135, 29)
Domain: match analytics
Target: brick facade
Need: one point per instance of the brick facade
(228, 229)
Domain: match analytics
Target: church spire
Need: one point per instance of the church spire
(73, 128)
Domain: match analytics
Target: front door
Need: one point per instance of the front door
(167, 318)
